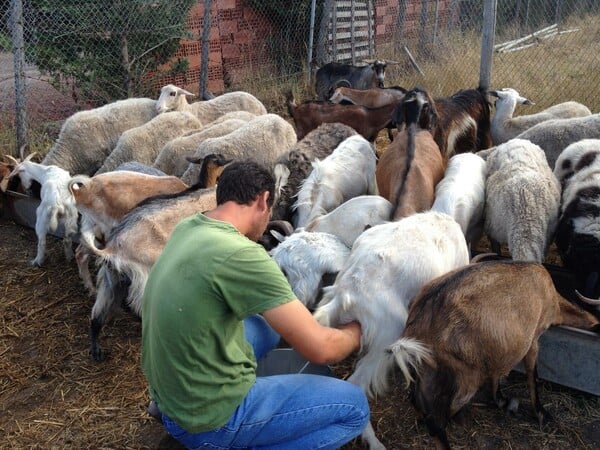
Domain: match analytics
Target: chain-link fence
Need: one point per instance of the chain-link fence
(78, 55)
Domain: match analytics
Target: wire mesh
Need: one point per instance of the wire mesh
(84, 54)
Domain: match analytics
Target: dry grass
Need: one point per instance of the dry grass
(52, 395)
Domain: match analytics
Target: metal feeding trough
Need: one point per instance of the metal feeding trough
(21, 208)
(568, 356)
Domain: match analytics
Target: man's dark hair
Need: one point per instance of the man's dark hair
(243, 181)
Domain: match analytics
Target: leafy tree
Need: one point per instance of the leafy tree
(107, 49)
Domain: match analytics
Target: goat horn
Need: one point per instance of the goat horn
(11, 159)
(589, 301)
(31, 155)
(282, 225)
(480, 257)
(392, 62)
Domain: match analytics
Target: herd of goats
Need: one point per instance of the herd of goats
(384, 239)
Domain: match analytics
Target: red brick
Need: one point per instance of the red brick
(231, 51)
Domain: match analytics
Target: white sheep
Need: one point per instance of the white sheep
(263, 139)
(505, 127)
(171, 158)
(352, 217)
(56, 204)
(143, 143)
(87, 137)
(310, 260)
(387, 266)
(348, 172)
(575, 157)
(172, 98)
(522, 200)
(461, 194)
(557, 134)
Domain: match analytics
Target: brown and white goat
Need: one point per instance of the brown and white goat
(104, 199)
(471, 327)
(463, 123)
(366, 121)
(412, 166)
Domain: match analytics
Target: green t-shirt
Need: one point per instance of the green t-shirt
(208, 278)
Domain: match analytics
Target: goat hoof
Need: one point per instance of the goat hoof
(97, 354)
(35, 263)
(544, 417)
(512, 406)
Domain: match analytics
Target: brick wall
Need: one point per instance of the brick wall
(237, 43)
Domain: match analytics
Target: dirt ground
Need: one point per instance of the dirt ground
(52, 395)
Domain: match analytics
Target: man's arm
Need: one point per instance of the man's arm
(319, 344)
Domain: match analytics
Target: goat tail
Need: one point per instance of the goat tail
(290, 102)
(77, 181)
(409, 354)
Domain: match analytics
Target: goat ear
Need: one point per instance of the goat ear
(525, 101)
(494, 94)
(194, 159)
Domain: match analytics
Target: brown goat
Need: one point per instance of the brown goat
(471, 327)
(369, 98)
(412, 166)
(366, 121)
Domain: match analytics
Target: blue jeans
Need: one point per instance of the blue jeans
(296, 411)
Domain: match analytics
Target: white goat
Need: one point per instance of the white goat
(505, 127)
(461, 194)
(352, 217)
(522, 200)
(55, 204)
(387, 266)
(348, 172)
(310, 260)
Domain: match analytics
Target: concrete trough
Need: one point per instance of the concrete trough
(568, 356)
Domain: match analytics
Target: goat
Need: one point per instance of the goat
(387, 266)
(472, 326)
(310, 260)
(348, 172)
(366, 121)
(352, 217)
(463, 123)
(369, 98)
(55, 203)
(334, 74)
(104, 199)
(461, 194)
(295, 165)
(132, 248)
(412, 166)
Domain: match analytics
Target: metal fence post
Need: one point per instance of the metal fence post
(206, 24)
(18, 48)
(487, 43)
